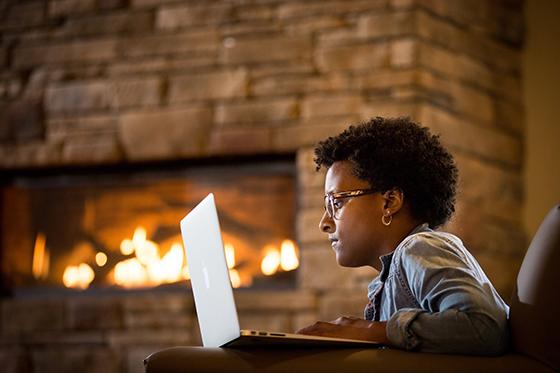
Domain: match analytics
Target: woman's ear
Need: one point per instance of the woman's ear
(393, 201)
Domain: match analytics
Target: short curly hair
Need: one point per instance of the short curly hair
(398, 153)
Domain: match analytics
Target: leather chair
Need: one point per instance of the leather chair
(535, 333)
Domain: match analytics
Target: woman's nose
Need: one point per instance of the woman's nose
(326, 224)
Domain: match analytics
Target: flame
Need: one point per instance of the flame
(271, 260)
(234, 278)
(100, 259)
(169, 268)
(130, 273)
(40, 266)
(230, 255)
(79, 276)
(288, 256)
(147, 268)
(127, 247)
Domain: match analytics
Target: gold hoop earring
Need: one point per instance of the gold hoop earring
(385, 222)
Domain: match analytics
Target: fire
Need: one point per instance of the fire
(234, 278)
(230, 255)
(40, 266)
(100, 259)
(271, 261)
(146, 266)
(286, 258)
(79, 276)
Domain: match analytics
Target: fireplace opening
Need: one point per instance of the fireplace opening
(118, 228)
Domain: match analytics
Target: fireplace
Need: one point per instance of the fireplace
(117, 228)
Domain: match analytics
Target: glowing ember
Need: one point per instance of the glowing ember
(169, 268)
(130, 273)
(234, 278)
(127, 247)
(100, 259)
(271, 260)
(78, 276)
(40, 266)
(230, 255)
(288, 257)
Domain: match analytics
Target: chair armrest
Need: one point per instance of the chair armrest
(293, 360)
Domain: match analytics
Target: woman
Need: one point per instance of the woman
(389, 185)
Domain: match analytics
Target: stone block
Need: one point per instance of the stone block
(14, 359)
(135, 92)
(324, 106)
(489, 143)
(118, 339)
(82, 51)
(159, 311)
(232, 31)
(172, 133)
(260, 301)
(384, 79)
(94, 313)
(307, 176)
(307, 226)
(22, 121)
(377, 25)
(92, 148)
(356, 57)
(78, 96)
(102, 95)
(390, 108)
(404, 53)
(152, 45)
(310, 132)
(160, 64)
(238, 141)
(58, 8)
(496, 191)
(480, 47)
(21, 15)
(23, 316)
(320, 259)
(58, 129)
(125, 23)
(254, 12)
(171, 17)
(258, 112)
(314, 25)
(347, 303)
(270, 321)
(85, 358)
(310, 9)
(282, 84)
(208, 86)
(242, 50)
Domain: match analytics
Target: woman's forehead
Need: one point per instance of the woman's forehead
(340, 177)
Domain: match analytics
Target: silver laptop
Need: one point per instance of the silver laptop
(213, 294)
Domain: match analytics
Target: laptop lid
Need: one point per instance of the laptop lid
(213, 294)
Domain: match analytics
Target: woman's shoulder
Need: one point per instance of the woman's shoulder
(428, 246)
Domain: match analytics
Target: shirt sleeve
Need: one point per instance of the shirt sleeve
(459, 310)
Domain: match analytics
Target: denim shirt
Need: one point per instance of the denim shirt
(436, 298)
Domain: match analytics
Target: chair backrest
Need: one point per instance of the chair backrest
(535, 304)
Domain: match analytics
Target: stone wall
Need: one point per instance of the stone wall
(115, 81)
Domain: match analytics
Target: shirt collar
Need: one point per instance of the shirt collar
(386, 259)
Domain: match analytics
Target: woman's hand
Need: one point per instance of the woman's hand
(349, 328)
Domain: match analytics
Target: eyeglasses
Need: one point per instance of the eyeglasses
(332, 204)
